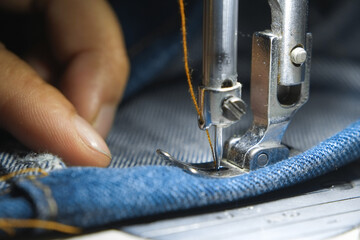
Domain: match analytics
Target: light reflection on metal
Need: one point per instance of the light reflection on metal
(281, 59)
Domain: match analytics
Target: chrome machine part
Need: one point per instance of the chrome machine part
(289, 22)
(207, 169)
(220, 70)
(233, 108)
(279, 86)
(213, 102)
(220, 43)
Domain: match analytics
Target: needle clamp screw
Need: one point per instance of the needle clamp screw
(233, 108)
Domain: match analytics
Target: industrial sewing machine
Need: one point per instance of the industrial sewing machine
(279, 86)
(281, 59)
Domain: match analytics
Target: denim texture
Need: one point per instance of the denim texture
(157, 113)
(90, 197)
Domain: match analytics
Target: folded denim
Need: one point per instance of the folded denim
(88, 197)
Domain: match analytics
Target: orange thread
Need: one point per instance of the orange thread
(186, 62)
(187, 71)
(8, 225)
(14, 174)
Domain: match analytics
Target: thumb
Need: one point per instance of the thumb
(40, 117)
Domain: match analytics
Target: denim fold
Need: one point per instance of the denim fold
(89, 197)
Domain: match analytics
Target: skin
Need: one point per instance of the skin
(85, 41)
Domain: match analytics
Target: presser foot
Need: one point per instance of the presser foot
(208, 169)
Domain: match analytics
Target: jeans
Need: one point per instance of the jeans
(89, 197)
(157, 113)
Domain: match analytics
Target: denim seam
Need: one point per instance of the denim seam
(52, 205)
(41, 197)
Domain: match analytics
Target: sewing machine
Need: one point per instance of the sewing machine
(319, 209)
(280, 70)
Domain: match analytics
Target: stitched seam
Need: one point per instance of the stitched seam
(52, 205)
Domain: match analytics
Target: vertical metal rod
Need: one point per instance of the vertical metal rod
(218, 146)
(219, 54)
(220, 42)
(289, 20)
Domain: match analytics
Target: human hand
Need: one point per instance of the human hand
(86, 43)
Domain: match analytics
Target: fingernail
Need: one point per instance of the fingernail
(91, 137)
(104, 119)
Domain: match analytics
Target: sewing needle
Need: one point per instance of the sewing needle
(218, 147)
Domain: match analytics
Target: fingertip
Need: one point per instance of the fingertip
(92, 140)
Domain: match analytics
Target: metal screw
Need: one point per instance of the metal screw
(298, 55)
(233, 108)
(262, 160)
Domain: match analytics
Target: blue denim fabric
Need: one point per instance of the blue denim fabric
(163, 117)
(89, 197)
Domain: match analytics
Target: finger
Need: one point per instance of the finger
(41, 118)
(87, 40)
